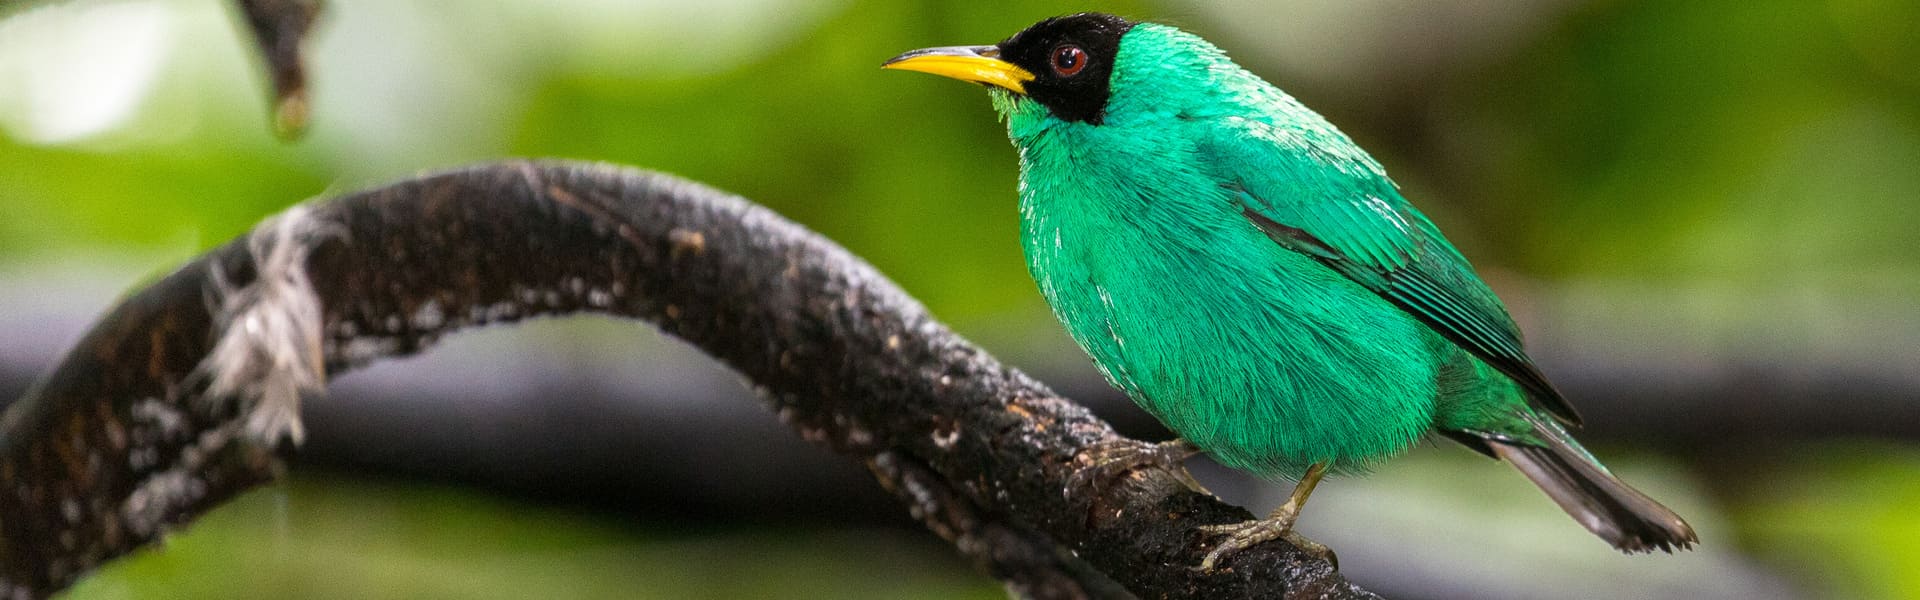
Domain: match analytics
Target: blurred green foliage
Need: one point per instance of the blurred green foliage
(1844, 518)
(1757, 142)
(1759, 157)
(1753, 144)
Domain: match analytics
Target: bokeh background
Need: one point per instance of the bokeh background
(1704, 213)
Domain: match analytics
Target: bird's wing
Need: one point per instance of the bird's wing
(1340, 208)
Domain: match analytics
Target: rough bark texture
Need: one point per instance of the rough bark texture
(146, 425)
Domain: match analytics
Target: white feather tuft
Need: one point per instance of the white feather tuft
(269, 351)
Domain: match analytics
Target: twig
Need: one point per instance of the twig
(280, 29)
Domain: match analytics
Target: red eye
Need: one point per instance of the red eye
(1068, 60)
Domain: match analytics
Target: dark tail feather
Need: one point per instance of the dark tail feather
(1621, 515)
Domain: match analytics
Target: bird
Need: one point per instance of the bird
(1252, 278)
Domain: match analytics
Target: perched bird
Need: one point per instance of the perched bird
(1252, 278)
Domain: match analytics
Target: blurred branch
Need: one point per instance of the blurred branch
(280, 29)
(179, 398)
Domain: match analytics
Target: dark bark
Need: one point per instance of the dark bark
(143, 426)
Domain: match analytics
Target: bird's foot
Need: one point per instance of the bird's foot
(1279, 525)
(1118, 457)
(1241, 536)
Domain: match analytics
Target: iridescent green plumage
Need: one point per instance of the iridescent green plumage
(1145, 234)
(1251, 277)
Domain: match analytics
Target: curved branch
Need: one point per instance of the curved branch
(183, 395)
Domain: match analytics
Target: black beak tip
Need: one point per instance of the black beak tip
(903, 56)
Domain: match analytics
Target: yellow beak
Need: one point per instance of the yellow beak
(978, 64)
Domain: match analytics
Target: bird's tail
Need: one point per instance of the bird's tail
(1619, 514)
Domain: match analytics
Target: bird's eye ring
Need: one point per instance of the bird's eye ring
(1069, 60)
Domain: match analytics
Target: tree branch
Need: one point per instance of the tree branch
(179, 398)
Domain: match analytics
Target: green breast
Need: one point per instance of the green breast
(1261, 355)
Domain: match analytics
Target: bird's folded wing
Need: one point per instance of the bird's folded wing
(1343, 211)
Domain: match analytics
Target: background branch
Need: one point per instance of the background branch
(280, 29)
(122, 439)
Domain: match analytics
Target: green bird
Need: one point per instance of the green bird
(1252, 278)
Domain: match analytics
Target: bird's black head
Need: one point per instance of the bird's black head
(1071, 58)
(1064, 63)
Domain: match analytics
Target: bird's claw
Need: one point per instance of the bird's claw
(1312, 547)
(1116, 457)
(1241, 536)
